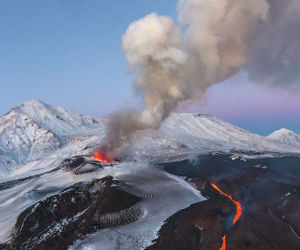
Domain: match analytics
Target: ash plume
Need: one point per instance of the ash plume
(215, 40)
(275, 48)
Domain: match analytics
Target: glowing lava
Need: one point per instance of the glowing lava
(223, 247)
(238, 205)
(102, 159)
(237, 215)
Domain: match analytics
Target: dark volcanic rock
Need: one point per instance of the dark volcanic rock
(79, 165)
(267, 188)
(200, 226)
(288, 209)
(57, 221)
(82, 164)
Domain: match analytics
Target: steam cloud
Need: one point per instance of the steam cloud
(215, 40)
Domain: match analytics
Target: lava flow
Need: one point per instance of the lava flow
(101, 158)
(223, 247)
(237, 215)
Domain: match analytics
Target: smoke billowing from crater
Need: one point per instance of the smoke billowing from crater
(215, 40)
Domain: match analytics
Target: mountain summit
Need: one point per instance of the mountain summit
(58, 120)
(34, 129)
(286, 136)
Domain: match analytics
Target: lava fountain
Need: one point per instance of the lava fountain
(102, 159)
(237, 215)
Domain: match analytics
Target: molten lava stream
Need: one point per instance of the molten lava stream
(101, 158)
(237, 215)
(223, 247)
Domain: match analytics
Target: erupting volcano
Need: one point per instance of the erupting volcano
(102, 159)
(237, 215)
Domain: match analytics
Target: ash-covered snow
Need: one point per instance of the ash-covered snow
(163, 194)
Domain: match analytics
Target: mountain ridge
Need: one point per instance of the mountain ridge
(35, 130)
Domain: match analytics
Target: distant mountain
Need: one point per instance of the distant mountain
(60, 121)
(35, 131)
(184, 131)
(286, 136)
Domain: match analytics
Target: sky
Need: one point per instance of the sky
(68, 53)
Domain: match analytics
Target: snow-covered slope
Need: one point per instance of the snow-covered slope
(35, 138)
(183, 132)
(35, 131)
(286, 136)
(58, 120)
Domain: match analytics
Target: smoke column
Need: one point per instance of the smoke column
(178, 64)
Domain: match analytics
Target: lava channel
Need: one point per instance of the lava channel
(237, 215)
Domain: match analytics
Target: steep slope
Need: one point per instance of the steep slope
(206, 133)
(21, 139)
(286, 136)
(34, 130)
(60, 121)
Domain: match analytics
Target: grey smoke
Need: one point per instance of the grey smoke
(275, 48)
(215, 40)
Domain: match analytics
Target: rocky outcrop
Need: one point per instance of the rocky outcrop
(57, 221)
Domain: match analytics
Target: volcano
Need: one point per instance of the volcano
(197, 183)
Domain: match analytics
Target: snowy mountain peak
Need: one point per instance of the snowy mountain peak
(35, 129)
(286, 136)
(28, 107)
(60, 121)
(34, 102)
(283, 131)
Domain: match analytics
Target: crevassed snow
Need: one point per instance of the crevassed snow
(163, 195)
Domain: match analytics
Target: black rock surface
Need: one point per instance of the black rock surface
(57, 221)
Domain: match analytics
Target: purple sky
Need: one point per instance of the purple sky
(253, 106)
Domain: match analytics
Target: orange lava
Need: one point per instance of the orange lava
(238, 205)
(101, 158)
(237, 215)
(223, 247)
